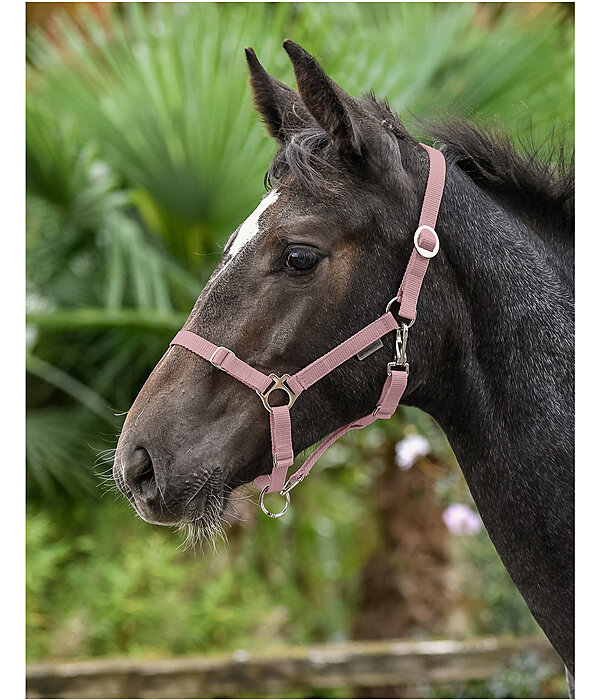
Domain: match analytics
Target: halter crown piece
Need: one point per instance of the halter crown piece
(426, 246)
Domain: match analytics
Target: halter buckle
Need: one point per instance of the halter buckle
(212, 357)
(278, 383)
(423, 251)
(397, 301)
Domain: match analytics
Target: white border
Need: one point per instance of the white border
(13, 304)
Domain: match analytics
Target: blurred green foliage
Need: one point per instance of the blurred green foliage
(143, 154)
(102, 582)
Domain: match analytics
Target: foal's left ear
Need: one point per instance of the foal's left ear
(279, 106)
(327, 103)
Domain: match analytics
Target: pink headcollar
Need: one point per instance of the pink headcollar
(426, 246)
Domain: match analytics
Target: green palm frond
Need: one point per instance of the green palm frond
(63, 445)
(80, 392)
(163, 89)
(77, 212)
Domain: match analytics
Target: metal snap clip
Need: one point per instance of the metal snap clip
(401, 359)
(289, 485)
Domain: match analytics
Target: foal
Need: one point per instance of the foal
(491, 353)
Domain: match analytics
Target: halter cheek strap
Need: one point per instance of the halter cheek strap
(426, 246)
(426, 240)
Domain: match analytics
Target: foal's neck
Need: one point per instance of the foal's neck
(507, 365)
(503, 393)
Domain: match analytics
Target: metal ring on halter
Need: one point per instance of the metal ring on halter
(389, 306)
(278, 383)
(423, 251)
(268, 512)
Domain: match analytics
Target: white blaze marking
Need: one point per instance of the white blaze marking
(250, 227)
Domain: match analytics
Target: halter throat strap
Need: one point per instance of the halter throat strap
(426, 246)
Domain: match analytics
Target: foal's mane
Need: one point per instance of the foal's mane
(539, 188)
(542, 188)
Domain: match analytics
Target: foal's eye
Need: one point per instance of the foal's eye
(302, 259)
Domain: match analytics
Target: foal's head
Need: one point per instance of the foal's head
(317, 260)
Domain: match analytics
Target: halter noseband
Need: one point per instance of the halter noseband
(426, 246)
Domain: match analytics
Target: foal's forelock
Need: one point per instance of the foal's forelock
(302, 159)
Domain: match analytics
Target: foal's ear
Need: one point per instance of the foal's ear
(279, 106)
(328, 104)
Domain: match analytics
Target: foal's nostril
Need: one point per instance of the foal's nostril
(140, 475)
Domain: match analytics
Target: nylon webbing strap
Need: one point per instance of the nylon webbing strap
(281, 446)
(388, 402)
(342, 353)
(223, 359)
(408, 294)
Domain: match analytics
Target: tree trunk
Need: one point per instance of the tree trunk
(405, 586)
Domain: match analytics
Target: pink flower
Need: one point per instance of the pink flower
(410, 449)
(461, 520)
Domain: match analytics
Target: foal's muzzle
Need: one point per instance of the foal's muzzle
(172, 504)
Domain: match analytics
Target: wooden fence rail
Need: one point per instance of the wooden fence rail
(354, 664)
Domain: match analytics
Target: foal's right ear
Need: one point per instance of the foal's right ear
(280, 107)
(332, 108)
